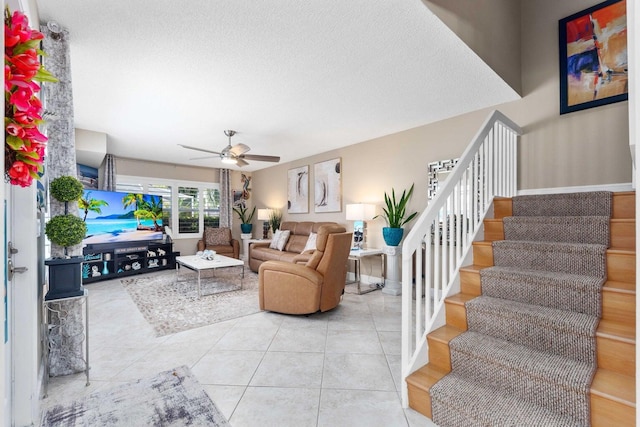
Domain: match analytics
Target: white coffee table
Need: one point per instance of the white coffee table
(198, 264)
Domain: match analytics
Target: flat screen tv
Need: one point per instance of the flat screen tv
(120, 217)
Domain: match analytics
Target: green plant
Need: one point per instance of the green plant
(275, 218)
(66, 189)
(242, 213)
(395, 211)
(65, 230)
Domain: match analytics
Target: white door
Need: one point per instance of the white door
(5, 354)
(23, 306)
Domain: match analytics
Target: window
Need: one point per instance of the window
(197, 204)
(211, 201)
(188, 210)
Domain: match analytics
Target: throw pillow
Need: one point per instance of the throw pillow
(217, 236)
(279, 239)
(311, 243)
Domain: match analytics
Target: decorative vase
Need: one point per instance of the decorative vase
(105, 270)
(392, 236)
(246, 228)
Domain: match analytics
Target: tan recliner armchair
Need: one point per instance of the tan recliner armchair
(219, 240)
(318, 284)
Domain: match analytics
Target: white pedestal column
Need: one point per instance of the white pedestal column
(393, 280)
(246, 237)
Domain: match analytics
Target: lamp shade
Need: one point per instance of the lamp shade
(360, 212)
(264, 214)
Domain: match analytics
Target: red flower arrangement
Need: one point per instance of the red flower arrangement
(24, 143)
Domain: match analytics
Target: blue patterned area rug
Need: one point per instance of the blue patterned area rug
(172, 398)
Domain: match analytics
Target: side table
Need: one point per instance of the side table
(49, 307)
(356, 256)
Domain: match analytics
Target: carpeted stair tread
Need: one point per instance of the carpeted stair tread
(597, 203)
(569, 229)
(456, 402)
(561, 332)
(573, 258)
(558, 383)
(575, 292)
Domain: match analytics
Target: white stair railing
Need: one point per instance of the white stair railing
(438, 243)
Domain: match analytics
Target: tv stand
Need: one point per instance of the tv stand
(111, 260)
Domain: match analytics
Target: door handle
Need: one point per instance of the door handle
(13, 270)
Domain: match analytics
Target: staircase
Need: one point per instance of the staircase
(542, 331)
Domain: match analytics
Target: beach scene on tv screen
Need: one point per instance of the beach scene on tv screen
(119, 217)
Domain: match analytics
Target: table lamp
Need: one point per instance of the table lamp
(264, 215)
(359, 213)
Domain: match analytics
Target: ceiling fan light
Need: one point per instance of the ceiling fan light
(229, 160)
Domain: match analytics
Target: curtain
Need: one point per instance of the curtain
(109, 180)
(226, 202)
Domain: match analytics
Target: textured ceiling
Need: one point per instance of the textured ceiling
(294, 78)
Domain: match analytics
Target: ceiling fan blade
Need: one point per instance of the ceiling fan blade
(239, 149)
(260, 158)
(205, 157)
(241, 162)
(198, 149)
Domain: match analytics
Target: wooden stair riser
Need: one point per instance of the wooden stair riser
(439, 354)
(624, 205)
(621, 266)
(456, 314)
(616, 355)
(619, 306)
(420, 400)
(470, 282)
(622, 232)
(502, 207)
(607, 412)
(483, 254)
(612, 399)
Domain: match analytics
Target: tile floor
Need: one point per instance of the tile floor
(340, 368)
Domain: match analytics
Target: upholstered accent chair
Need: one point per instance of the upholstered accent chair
(219, 240)
(317, 285)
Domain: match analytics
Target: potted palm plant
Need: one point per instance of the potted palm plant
(275, 218)
(396, 216)
(65, 230)
(245, 217)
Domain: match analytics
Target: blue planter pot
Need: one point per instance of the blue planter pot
(392, 236)
(246, 228)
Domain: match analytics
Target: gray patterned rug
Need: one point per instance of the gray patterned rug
(170, 304)
(171, 398)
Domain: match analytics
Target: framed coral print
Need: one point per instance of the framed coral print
(298, 190)
(328, 190)
(593, 57)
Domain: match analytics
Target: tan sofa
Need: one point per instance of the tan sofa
(318, 285)
(260, 252)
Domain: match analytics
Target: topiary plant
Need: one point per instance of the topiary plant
(66, 230)
(66, 189)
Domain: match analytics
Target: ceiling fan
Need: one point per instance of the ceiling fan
(234, 155)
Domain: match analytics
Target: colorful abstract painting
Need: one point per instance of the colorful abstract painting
(298, 190)
(328, 188)
(593, 57)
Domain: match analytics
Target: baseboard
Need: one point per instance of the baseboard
(578, 189)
